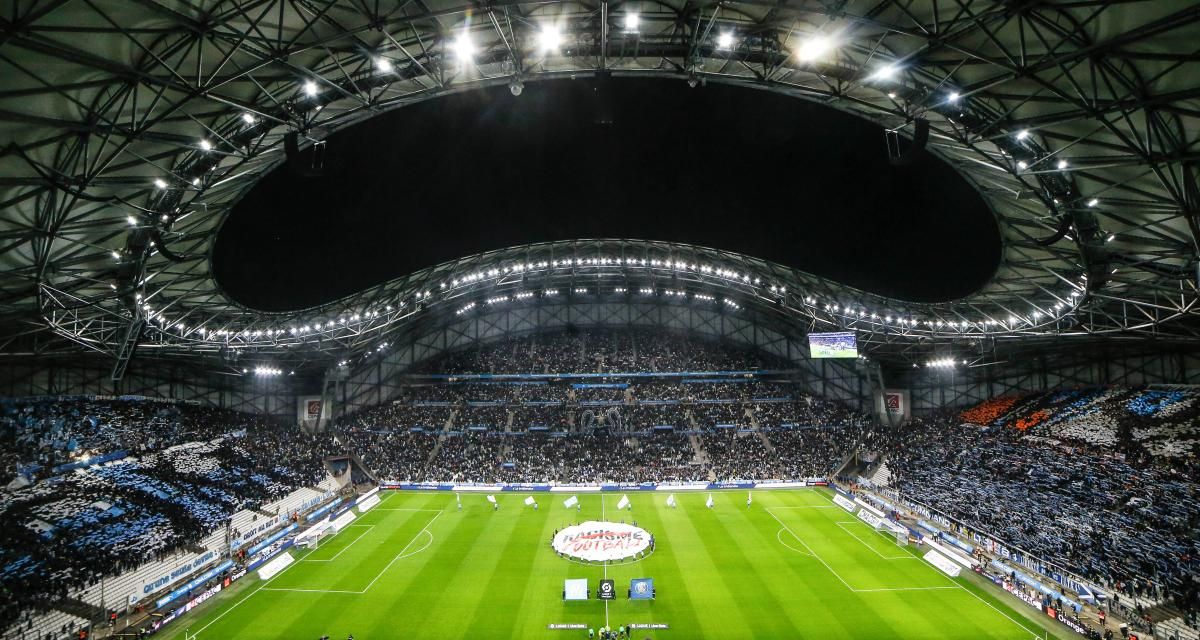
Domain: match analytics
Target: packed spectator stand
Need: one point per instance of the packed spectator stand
(619, 426)
(1103, 483)
(98, 487)
(1100, 482)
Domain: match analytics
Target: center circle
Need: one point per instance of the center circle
(595, 541)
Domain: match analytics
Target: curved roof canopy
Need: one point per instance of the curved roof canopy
(133, 128)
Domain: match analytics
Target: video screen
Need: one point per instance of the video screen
(833, 345)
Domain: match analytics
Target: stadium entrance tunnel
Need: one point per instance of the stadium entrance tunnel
(754, 172)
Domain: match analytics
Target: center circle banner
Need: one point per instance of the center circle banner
(595, 541)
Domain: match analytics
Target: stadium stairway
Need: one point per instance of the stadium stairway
(78, 609)
(1169, 624)
(39, 626)
(1175, 629)
(882, 476)
(356, 461)
(767, 443)
(699, 455)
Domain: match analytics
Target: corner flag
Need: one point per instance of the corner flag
(709, 502)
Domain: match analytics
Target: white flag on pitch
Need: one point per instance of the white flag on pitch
(570, 502)
(623, 503)
(491, 499)
(671, 500)
(529, 500)
(709, 502)
(749, 498)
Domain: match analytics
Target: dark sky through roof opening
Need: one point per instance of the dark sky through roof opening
(736, 169)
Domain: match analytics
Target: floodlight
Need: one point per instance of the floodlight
(725, 40)
(885, 73)
(815, 47)
(463, 47)
(550, 37)
(631, 22)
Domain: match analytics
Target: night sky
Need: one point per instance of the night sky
(731, 168)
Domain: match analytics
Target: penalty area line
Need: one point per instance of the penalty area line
(842, 525)
(348, 545)
(239, 602)
(810, 549)
(423, 530)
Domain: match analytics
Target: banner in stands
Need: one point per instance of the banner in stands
(275, 536)
(195, 582)
(892, 405)
(628, 486)
(526, 486)
(178, 573)
(731, 485)
(312, 408)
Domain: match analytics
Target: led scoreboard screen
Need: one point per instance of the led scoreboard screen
(833, 345)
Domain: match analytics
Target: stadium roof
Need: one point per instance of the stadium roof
(133, 128)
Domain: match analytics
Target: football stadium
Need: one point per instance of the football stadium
(612, 320)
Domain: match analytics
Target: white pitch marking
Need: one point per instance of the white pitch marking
(235, 605)
(906, 556)
(401, 554)
(343, 549)
(429, 541)
(903, 589)
(810, 549)
(779, 537)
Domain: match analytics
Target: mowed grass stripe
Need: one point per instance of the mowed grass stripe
(815, 601)
(498, 567)
(702, 569)
(538, 600)
(720, 574)
(670, 569)
(742, 575)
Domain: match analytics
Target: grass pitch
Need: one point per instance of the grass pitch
(793, 565)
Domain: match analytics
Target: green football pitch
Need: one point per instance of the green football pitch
(792, 565)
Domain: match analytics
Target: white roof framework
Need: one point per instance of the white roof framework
(130, 129)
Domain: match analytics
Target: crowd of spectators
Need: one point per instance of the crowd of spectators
(38, 436)
(1139, 423)
(184, 474)
(1103, 482)
(603, 352)
(812, 452)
